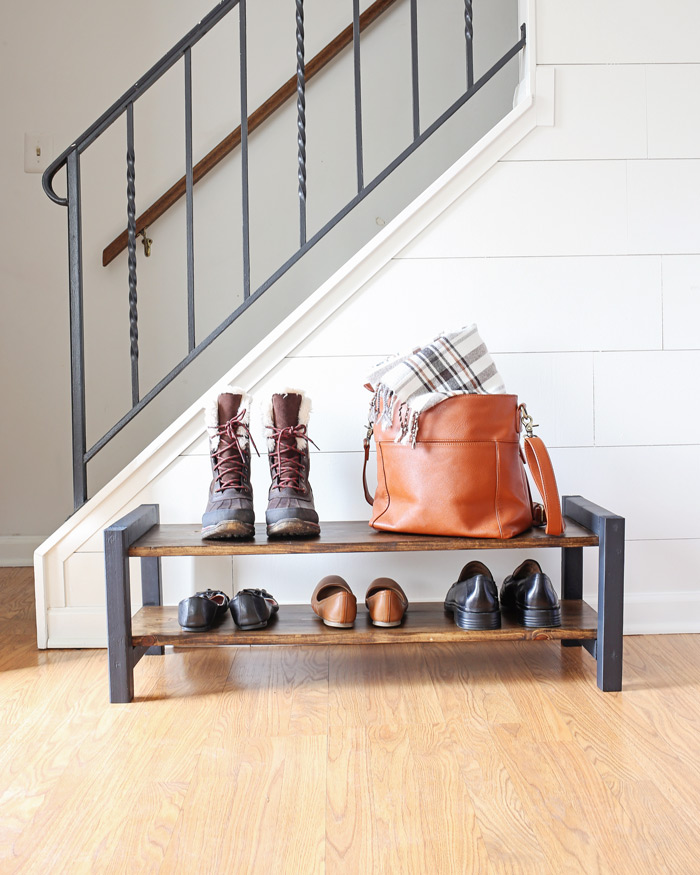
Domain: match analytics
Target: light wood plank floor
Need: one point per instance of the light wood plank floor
(485, 758)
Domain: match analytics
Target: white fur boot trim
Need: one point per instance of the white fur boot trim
(211, 413)
(304, 415)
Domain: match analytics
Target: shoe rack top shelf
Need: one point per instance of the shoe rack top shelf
(343, 537)
(297, 624)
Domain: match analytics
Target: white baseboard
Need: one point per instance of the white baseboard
(645, 614)
(17, 551)
(662, 613)
(70, 628)
(659, 613)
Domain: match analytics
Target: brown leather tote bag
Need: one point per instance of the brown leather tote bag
(465, 476)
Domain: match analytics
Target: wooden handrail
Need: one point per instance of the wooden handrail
(229, 143)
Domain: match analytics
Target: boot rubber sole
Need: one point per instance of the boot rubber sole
(293, 529)
(475, 620)
(228, 529)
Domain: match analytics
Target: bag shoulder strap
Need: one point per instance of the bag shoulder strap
(543, 474)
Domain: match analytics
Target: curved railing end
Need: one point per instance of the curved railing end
(47, 180)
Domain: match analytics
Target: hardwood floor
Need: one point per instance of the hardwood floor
(480, 758)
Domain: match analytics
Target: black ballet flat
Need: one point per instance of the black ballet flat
(252, 608)
(203, 610)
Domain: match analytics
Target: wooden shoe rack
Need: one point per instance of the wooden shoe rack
(155, 625)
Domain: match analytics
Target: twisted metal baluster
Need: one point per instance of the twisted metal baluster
(131, 227)
(245, 194)
(301, 120)
(469, 37)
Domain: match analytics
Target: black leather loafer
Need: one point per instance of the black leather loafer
(528, 593)
(200, 612)
(473, 599)
(252, 608)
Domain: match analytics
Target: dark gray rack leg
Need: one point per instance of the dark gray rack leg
(571, 581)
(122, 655)
(610, 529)
(152, 590)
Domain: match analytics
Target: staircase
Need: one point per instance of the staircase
(69, 564)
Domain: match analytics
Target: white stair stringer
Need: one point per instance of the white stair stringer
(70, 607)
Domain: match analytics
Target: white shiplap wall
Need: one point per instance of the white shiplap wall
(579, 257)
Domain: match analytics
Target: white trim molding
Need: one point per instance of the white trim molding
(77, 628)
(17, 551)
(659, 613)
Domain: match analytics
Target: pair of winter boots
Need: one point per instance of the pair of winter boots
(290, 508)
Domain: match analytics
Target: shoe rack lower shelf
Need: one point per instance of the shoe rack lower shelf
(424, 622)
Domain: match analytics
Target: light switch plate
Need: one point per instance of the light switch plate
(38, 151)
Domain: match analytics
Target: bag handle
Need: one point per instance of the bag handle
(366, 442)
(540, 465)
(543, 474)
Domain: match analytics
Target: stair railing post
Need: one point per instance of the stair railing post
(189, 202)
(77, 347)
(358, 93)
(415, 93)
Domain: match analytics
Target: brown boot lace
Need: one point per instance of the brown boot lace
(287, 461)
(229, 469)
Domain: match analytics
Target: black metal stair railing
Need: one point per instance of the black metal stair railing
(70, 159)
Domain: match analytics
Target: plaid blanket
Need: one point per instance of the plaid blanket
(452, 364)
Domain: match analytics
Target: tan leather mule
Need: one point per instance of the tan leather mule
(386, 602)
(333, 601)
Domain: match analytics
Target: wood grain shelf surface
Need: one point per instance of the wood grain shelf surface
(343, 537)
(297, 624)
